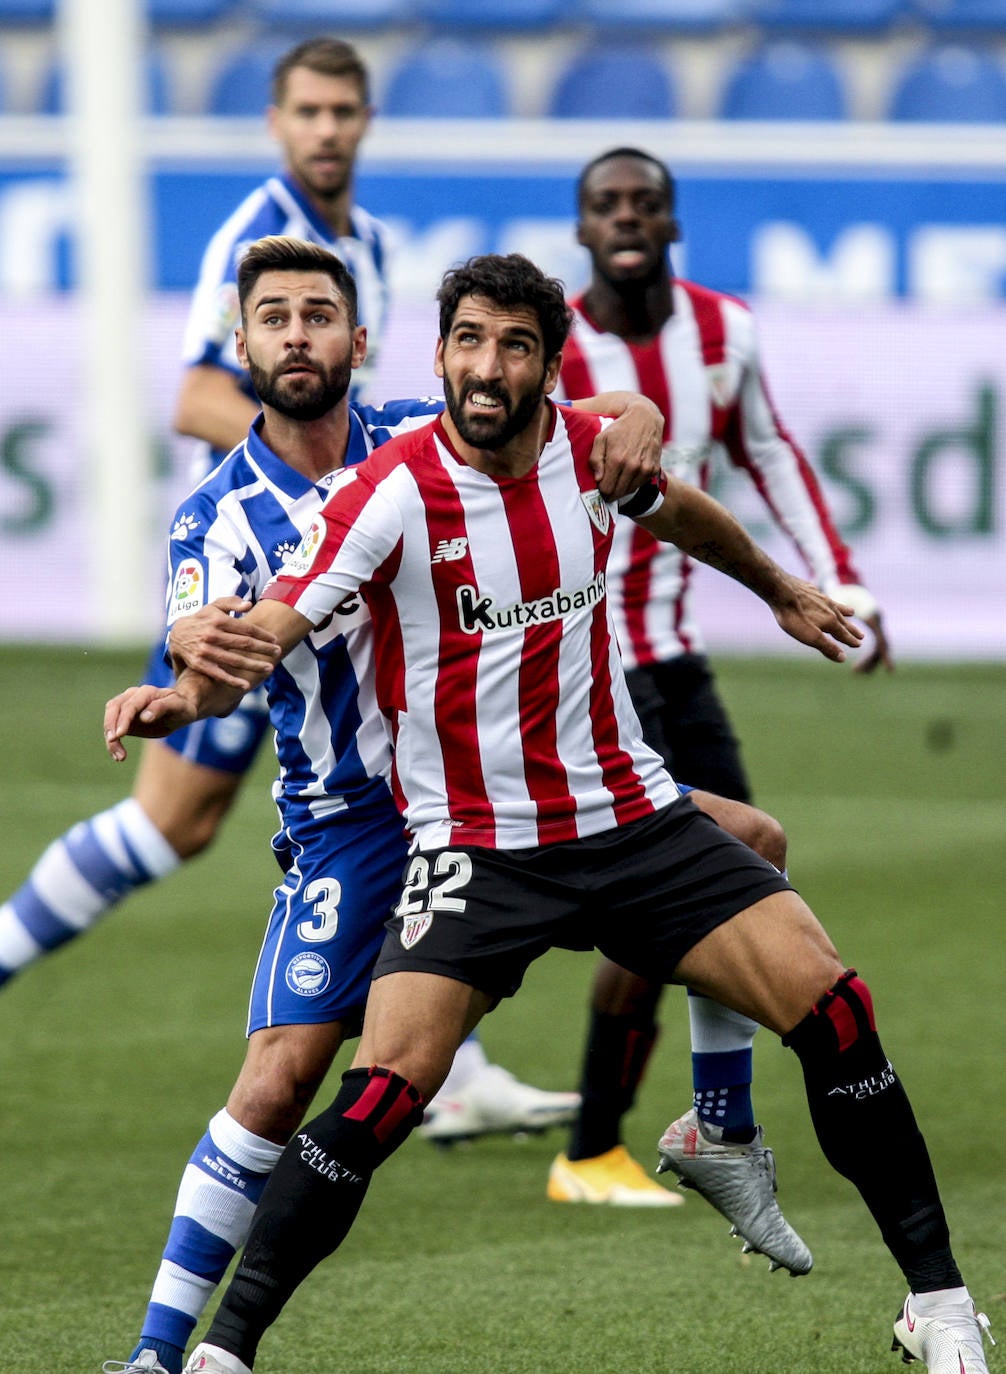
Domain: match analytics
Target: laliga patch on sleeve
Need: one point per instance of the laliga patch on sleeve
(188, 589)
(299, 563)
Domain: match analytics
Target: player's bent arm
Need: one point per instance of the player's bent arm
(211, 406)
(625, 454)
(705, 530)
(217, 642)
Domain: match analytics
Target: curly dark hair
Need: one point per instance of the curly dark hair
(509, 280)
(279, 253)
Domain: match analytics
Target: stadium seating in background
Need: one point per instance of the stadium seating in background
(444, 79)
(186, 14)
(503, 15)
(951, 84)
(606, 82)
(27, 11)
(156, 92)
(330, 16)
(962, 16)
(242, 85)
(784, 80)
(667, 16)
(867, 17)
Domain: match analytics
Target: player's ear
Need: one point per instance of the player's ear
(674, 230)
(552, 373)
(579, 234)
(359, 356)
(241, 347)
(438, 359)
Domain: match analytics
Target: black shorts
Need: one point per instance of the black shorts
(643, 894)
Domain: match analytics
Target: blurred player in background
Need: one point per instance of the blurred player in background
(185, 786)
(692, 351)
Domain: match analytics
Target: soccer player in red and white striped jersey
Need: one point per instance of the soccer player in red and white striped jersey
(560, 829)
(694, 353)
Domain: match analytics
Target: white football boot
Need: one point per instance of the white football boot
(494, 1102)
(740, 1182)
(947, 1342)
(210, 1359)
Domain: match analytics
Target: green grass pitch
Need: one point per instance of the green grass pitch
(115, 1052)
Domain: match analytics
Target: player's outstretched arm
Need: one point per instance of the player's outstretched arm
(705, 530)
(153, 712)
(626, 454)
(215, 641)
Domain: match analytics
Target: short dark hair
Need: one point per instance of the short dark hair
(283, 254)
(665, 172)
(508, 281)
(327, 57)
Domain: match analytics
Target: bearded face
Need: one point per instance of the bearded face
(486, 414)
(301, 388)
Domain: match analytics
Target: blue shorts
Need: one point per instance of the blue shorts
(343, 877)
(228, 743)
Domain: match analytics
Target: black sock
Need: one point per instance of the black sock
(868, 1132)
(618, 1048)
(312, 1199)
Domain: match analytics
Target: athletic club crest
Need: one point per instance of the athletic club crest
(414, 928)
(597, 508)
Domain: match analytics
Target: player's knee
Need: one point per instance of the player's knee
(768, 838)
(841, 1019)
(283, 1070)
(272, 1106)
(189, 829)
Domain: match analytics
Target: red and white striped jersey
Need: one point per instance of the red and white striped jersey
(704, 373)
(497, 665)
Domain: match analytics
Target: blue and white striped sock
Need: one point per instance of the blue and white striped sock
(220, 1188)
(722, 1068)
(79, 877)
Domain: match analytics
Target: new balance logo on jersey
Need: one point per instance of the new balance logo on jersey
(479, 614)
(448, 550)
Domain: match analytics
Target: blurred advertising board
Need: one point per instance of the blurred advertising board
(901, 409)
(876, 265)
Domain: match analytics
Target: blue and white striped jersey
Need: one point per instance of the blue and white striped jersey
(229, 536)
(279, 206)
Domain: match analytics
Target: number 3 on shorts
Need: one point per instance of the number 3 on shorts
(450, 870)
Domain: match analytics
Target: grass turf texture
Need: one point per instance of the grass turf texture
(115, 1052)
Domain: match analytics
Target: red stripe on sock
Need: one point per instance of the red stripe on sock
(862, 992)
(369, 1100)
(843, 1019)
(396, 1114)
